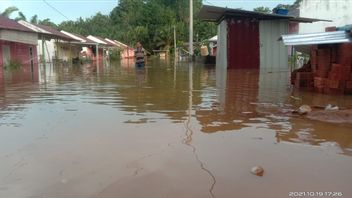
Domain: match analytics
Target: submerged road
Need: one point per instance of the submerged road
(166, 130)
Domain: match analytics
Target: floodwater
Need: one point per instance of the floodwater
(168, 131)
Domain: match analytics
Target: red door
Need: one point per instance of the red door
(243, 44)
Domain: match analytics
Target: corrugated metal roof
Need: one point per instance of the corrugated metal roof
(33, 27)
(216, 14)
(9, 24)
(56, 32)
(317, 38)
(97, 40)
(80, 38)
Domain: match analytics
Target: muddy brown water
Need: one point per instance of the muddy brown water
(165, 131)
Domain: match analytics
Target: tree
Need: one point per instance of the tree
(262, 9)
(148, 21)
(47, 22)
(8, 11)
(21, 16)
(34, 19)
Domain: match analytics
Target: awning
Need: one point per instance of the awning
(317, 38)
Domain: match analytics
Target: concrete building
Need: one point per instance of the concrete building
(52, 44)
(17, 43)
(339, 12)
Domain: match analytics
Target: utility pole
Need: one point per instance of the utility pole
(175, 48)
(191, 28)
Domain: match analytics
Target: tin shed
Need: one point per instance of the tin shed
(249, 40)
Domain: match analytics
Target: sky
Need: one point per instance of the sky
(61, 10)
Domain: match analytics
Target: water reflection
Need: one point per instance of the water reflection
(104, 128)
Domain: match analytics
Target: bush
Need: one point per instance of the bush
(115, 54)
(13, 64)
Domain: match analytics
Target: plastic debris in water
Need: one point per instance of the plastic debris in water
(295, 98)
(329, 107)
(257, 170)
(304, 109)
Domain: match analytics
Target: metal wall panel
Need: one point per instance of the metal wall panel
(243, 44)
(273, 53)
(221, 54)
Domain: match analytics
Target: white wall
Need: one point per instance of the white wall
(49, 48)
(20, 37)
(339, 11)
(273, 53)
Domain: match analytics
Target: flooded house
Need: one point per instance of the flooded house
(17, 43)
(105, 46)
(89, 47)
(128, 51)
(249, 40)
(52, 44)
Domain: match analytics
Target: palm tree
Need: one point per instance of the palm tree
(8, 11)
(34, 19)
(21, 16)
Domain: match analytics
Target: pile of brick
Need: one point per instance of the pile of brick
(329, 70)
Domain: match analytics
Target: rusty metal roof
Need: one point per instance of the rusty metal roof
(9, 24)
(217, 14)
(317, 38)
(56, 33)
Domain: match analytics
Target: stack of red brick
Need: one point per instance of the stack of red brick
(330, 70)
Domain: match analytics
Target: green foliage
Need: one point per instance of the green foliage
(47, 22)
(8, 11)
(149, 21)
(115, 54)
(34, 19)
(262, 9)
(21, 16)
(13, 64)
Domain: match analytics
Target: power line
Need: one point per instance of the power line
(55, 9)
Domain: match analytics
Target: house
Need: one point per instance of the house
(17, 43)
(104, 46)
(249, 40)
(52, 44)
(89, 47)
(339, 12)
(126, 51)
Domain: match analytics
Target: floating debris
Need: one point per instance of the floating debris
(295, 98)
(302, 110)
(329, 107)
(257, 170)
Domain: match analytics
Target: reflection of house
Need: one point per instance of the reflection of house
(17, 43)
(249, 40)
(338, 11)
(52, 44)
(234, 110)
